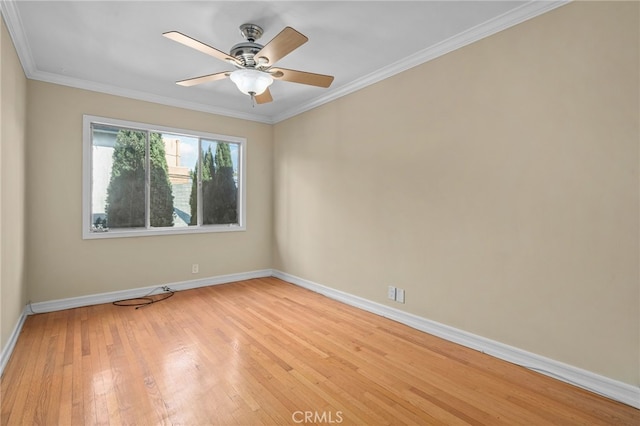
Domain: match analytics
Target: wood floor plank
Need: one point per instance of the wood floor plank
(264, 352)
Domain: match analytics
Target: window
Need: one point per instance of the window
(141, 179)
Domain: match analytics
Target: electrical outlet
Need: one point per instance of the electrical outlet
(391, 292)
(400, 295)
(195, 268)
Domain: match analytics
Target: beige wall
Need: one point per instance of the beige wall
(13, 96)
(61, 264)
(498, 185)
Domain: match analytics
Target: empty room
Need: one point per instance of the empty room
(320, 212)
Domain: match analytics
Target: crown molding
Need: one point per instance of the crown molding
(20, 41)
(144, 96)
(509, 19)
(16, 31)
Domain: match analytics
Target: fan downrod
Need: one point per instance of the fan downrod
(246, 50)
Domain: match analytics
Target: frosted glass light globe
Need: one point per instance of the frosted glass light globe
(251, 82)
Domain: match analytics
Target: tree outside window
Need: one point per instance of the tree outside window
(161, 181)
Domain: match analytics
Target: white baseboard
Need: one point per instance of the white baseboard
(7, 350)
(96, 299)
(593, 382)
(590, 381)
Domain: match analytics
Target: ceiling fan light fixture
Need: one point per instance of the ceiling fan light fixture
(251, 82)
(254, 73)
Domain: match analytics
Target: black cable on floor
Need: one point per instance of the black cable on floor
(141, 302)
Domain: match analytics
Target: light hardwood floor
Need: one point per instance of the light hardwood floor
(267, 352)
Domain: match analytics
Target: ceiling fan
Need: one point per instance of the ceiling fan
(254, 62)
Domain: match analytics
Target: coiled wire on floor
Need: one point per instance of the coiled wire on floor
(147, 299)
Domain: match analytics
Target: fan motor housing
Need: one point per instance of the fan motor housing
(245, 52)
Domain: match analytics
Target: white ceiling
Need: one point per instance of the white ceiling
(117, 46)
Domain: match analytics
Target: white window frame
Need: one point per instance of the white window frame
(87, 149)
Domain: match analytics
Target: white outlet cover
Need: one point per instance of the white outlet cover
(391, 292)
(400, 295)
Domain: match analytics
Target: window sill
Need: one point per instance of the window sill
(143, 232)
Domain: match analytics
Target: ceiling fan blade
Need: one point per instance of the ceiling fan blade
(264, 98)
(302, 77)
(198, 45)
(202, 79)
(281, 45)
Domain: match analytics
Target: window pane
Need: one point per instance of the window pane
(118, 184)
(161, 191)
(103, 142)
(219, 183)
(181, 157)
